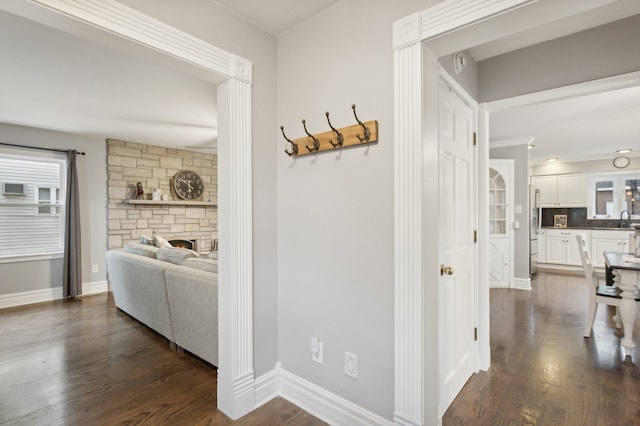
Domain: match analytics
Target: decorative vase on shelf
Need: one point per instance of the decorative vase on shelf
(139, 191)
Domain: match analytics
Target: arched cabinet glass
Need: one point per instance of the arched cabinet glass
(497, 203)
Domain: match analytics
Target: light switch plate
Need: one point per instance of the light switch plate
(351, 365)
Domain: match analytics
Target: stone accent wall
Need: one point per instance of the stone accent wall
(154, 166)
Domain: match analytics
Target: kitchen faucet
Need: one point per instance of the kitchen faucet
(622, 223)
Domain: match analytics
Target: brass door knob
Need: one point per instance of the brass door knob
(446, 270)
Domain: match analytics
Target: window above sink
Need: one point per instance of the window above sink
(611, 194)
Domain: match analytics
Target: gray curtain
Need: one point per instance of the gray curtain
(72, 280)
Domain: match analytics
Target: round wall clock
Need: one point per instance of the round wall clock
(188, 185)
(621, 162)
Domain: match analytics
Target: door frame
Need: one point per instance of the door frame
(236, 381)
(509, 164)
(416, 74)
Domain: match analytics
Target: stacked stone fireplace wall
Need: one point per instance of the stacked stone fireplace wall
(129, 163)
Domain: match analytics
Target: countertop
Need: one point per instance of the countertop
(594, 228)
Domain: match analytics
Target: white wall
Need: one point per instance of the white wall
(468, 77)
(600, 52)
(335, 209)
(206, 20)
(92, 177)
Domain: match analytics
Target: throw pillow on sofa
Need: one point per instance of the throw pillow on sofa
(141, 249)
(160, 242)
(208, 265)
(175, 255)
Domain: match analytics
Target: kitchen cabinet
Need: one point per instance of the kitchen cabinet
(542, 240)
(602, 241)
(561, 246)
(562, 190)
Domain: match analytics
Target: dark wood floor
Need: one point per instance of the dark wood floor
(543, 372)
(84, 363)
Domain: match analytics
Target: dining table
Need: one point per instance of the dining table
(626, 271)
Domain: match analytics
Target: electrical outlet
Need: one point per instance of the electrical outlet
(94, 268)
(316, 350)
(351, 365)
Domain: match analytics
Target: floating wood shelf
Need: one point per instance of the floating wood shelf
(171, 203)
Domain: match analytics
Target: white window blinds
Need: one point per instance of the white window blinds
(31, 223)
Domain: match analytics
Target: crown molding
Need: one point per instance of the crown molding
(453, 14)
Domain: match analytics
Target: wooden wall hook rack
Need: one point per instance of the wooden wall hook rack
(354, 135)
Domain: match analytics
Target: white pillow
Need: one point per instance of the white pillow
(160, 242)
(208, 265)
(175, 255)
(146, 240)
(140, 249)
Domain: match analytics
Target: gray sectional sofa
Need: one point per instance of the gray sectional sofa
(171, 291)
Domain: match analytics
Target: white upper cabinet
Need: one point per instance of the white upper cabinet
(562, 190)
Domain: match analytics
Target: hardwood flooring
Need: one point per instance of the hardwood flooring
(84, 363)
(543, 372)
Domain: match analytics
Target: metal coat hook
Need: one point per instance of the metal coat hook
(339, 136)
(365, 129)
(316, 142)
(294, 146)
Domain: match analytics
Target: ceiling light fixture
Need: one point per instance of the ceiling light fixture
(531, 146)
(624, 151)
(551, 160)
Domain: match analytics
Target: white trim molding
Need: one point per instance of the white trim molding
(325, 405)
(522, 283)
(602, 85)
(236, 383)
(268, 386)
(48, 294)
(413, 185)
(453, 14)
(503, 143)
(408, 324)
(235, 221)
(315, 400)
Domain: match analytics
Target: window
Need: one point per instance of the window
(50, 196)
(609, 195)
(31, 222)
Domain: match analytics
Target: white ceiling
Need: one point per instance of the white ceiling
(581, 128)
(56, 80)
(275, 16)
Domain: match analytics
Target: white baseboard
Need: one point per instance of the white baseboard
(268, 386)
(325, 405)
(47, 294)
(29, 297)
(522, 283)
(315, 400)
(95, 287)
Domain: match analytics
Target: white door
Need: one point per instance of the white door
(500, 231)
(457, 284)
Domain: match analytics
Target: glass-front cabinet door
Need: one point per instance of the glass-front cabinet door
(497, 203)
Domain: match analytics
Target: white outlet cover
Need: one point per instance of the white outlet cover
(351, 365)
(317, 356)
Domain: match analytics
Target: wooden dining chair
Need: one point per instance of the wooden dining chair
(597, 293)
